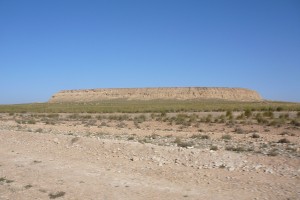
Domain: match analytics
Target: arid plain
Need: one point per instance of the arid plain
(230, 154)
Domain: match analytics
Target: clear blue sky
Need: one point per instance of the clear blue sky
(52, 45)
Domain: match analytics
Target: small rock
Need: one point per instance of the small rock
(231, 169)
(56, 140)
(270, 171)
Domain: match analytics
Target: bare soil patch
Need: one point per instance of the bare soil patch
(148, 156)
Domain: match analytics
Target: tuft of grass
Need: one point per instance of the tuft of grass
(56, 195)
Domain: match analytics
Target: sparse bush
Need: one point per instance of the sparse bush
(118, 117)
(273, 152)
(248, 113)
(214, 148)
(292, 149)
(140, 119)
(154, 136)
(239, 131)
(181, 143)
(5, 180)
(121, 125)
(86, 117)
(295, 122)
(163, 114)
(53, 115)
(31, 121)
(199, 136)
(269, 114)
(208, 118)
(241, 116)
(277, 122)
(152, 115)
(73, 116)
(255, 135)
(103, 124)
(75, 139)
(101, 117)
(136, 124)
(131, 138)
(50, 122)
(259, 118)
(56, 195)
(283, 140)
(181, 119)
(28, 186)
(229, 114)
(39, 130)
(226, 137)
(284, 116)
(90, 123)
(185, 144)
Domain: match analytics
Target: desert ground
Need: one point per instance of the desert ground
(200, 155)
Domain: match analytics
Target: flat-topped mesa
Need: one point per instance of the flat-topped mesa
(178, 93)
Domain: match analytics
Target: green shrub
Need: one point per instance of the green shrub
(248, 113)
(226, 137)
(295, 122)
(277, 122)
(269, 114)
(140, 119)
(229, 114)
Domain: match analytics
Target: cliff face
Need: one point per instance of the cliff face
(185, 93)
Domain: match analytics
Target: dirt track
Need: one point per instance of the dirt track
(37, 165)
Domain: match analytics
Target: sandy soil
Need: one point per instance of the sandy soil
(73, 160)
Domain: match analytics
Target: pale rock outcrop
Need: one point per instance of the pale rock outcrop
(178, 93)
